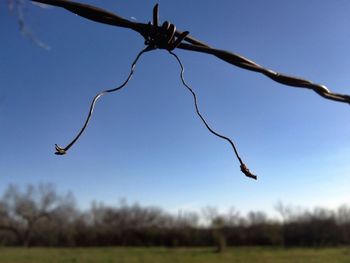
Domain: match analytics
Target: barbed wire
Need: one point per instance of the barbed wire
(103, 16)
(167, 37)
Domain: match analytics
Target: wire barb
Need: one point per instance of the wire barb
(244, 168)
(162, 37)
(62, 151)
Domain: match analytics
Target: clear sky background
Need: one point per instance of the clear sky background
(145, 143)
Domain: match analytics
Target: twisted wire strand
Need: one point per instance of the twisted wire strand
(60, 150)
(242, 62)
(244, 168)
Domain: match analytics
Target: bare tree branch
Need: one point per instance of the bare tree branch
(16, 7)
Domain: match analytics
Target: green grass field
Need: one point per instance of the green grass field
(178, 255)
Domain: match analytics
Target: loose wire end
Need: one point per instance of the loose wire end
(59, 150)
(62, 151)
(244, 168)
(247, 173)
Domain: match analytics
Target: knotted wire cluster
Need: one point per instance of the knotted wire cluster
(162, 37)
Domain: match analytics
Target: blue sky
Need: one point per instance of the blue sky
(145, 143)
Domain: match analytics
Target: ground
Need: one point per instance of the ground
(180, 255)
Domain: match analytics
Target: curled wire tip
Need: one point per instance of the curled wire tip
(247, 173)
(59, 150)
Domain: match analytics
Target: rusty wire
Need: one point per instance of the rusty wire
(167, 37)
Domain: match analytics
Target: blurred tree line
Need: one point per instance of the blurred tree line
(39, 216)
